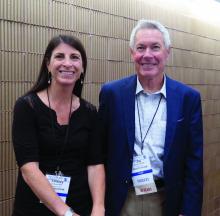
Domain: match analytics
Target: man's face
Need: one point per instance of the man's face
(149, 54)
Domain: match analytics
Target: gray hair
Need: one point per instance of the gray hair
(150, 24)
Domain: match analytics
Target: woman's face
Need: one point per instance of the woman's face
(65, 65)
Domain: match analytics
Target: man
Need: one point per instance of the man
(154, 134)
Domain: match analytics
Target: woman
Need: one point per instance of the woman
(56, 137)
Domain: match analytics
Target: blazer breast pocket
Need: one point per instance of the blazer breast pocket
(181, 128)
(180, 123)
(180, 120)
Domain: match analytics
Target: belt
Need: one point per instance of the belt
(159, 183)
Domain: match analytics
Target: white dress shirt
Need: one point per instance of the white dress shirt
(153, 145)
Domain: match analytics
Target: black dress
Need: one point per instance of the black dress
(38, 137)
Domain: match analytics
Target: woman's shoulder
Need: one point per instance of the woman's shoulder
(87, 105)
(24, 99)
(24, 104)
(27, 100)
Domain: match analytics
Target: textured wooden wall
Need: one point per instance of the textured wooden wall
(104, 27)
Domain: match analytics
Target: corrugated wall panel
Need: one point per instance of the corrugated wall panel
(9, 179)
(97, 71)
(82, 20)
(6, 207)
(99, 23)
(86, 40)
(7, 163)
(104, 28)
(12, 10)
(115, 26)
(36, 12)
(91, 92)
(32, 63)
(99, 47)
(82, 3)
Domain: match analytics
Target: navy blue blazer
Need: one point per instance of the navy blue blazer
(183, 150)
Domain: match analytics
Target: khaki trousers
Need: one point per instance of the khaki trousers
(144, 205)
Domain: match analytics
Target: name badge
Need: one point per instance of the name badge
(60, 184)
(142, 175)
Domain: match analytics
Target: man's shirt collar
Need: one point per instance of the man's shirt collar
(140, 89)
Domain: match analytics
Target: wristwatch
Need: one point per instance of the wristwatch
(69, 212)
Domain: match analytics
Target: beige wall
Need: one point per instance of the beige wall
(104, 27)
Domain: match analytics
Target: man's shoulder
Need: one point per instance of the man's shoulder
(115, 84)
(181, 87)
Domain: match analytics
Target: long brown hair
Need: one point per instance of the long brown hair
(42, 80)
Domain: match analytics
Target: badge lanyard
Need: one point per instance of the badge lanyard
(143, 139)
(59, 156)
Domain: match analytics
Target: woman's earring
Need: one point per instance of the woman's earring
(82, 78)
(49, 78)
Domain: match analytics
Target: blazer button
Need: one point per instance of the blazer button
(126, 181)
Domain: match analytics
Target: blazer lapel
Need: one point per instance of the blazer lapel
(128, 100)
(128, 103)
(173, 108)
